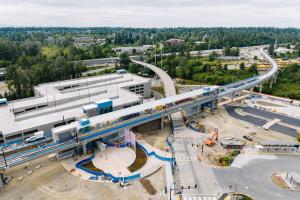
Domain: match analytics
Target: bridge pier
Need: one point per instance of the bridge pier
(162, 123)
(198, 109)
(231, 97)
(4, 180)
(214, 105)
(271, 82)
(275, 77)
(260, 88)
(84, 148)
(251, 90)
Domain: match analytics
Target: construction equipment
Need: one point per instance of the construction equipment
(211, 140)
(159, 107)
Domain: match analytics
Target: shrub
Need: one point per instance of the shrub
(298, 137)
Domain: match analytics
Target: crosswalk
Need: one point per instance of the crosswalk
(198, 197)
(185, 158)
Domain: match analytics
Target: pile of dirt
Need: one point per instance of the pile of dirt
(148, 186)
(276, 178)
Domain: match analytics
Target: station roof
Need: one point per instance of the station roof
(72, 101)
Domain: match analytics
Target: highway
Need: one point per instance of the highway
(196, 97)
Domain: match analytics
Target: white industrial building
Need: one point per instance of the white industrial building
(63, 102)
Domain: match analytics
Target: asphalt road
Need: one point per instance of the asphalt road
(260, 122)
(271, 115)
(254, 178)
(190, 171)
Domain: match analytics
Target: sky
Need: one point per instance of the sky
(150, 13)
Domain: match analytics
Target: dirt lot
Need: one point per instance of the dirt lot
(52, 181)
(156, 138)
(230, 127)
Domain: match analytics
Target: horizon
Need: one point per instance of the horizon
(150, 14)
(129, 27)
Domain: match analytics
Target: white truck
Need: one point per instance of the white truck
(37, 136)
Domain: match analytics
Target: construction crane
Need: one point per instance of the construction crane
(211, 140)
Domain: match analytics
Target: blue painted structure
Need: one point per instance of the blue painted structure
(104, 106)
(118, 179)
(3, 101)
(85, 122)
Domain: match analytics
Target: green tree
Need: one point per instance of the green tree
(253, 69)
(271, 49)
(242, 66)
(213, 56)
(124, 60)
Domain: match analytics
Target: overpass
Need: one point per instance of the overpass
(170, 90)
(111, 123)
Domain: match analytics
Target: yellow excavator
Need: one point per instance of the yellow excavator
(211, 141)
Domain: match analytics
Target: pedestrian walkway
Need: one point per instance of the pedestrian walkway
(198, 197)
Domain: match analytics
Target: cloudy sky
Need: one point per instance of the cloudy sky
(150, 13)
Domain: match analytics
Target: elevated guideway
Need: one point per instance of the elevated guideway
(170, 90)
(251, 82)
(110, 123)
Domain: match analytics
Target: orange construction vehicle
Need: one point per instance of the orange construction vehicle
(211, 140)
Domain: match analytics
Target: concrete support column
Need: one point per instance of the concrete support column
(231, 97)
(84, 148)
(275, 78)
(271, 82)
(198, 109)
(2, 180)
(162, 123)
(260, 88)
(215, 104)
(251, 91)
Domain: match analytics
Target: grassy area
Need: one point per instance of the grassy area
(188, 82)
(50, 51)
(228, 159)
(89, 165)
(140, 160)
(288, 83)
(298, 137)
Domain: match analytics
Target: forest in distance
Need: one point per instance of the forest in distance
(38, 55)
